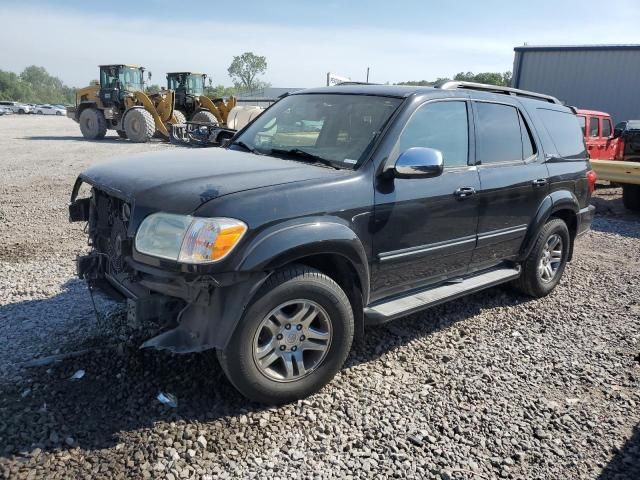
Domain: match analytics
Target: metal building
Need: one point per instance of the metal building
(595, 77)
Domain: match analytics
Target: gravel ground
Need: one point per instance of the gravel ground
(492, 386)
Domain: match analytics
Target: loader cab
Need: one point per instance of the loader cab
(118, 80)
(188, 86)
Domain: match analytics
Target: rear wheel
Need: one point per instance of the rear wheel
(292, 339)
(58, 113)
(204, 116)
(631, 197)
(92, 124)
(542, 269)
(21, 111)
(139, 125)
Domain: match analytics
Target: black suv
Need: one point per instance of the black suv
(335, 209)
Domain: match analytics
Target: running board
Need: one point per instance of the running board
(399, 307)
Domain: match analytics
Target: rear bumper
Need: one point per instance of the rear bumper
(585, 217)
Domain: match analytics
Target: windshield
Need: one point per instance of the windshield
(130, 78)
(337, 128)
(194, 84)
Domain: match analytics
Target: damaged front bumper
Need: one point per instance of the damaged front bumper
(196, 313)
(194, 310)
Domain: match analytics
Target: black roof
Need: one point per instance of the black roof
(399, 91)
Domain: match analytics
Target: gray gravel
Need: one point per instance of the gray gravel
(492, 386)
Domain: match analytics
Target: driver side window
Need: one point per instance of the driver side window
(443, 126)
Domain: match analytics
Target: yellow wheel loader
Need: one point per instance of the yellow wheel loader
(193, 103)
(119, 103)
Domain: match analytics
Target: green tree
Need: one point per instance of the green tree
(34, 85)
(154, 88)
(220, 91)
(491, 78)
(245, 68)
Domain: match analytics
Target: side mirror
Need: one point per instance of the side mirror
(617, 133)
(419, 162)
(149, 75)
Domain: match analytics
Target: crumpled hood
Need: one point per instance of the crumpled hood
(179, 181)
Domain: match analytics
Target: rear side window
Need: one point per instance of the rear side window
(564, 130)
(440, 125)
(583, 124)
(593, 126)
(501, 134)
(606, 127)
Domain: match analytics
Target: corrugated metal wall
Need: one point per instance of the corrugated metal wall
(596, 78)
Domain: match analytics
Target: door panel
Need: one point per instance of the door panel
(609, 145)
(424, 231)
(511, 188)
(508, 200)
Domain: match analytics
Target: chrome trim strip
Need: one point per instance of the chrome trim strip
(504, 231)
(385, 256)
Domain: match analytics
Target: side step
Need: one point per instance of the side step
(399, 307)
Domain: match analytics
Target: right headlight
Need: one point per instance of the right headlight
(188, 239)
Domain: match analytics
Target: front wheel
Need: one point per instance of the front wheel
(139, 125)
(292, 339)
(542, 269)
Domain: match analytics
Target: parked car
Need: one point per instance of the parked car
(50, 110)
(15, 107)
(279, 248)
(5, 111)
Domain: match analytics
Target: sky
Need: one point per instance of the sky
(302, 40)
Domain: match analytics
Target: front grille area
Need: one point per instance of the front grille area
(108, 222)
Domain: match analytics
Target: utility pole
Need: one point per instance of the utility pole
(367, 74)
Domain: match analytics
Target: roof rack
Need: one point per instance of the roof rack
(353, 83)
(498, 89)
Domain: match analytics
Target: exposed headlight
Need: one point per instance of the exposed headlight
(188, 239)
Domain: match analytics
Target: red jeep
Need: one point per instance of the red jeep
(598, 134)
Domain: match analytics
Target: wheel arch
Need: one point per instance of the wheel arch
(561, 204)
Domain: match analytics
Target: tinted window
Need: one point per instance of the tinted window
(498, 134)
(443, 126)
(564, 130)
(593, 126)
(606, 127)
(583, 124)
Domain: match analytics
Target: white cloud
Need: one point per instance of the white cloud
(71, 45)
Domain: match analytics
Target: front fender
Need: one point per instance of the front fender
(291, 241)
(554, 202)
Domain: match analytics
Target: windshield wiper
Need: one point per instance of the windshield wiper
(303, 154)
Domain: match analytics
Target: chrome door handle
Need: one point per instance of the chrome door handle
(464, 192)
(540, 182)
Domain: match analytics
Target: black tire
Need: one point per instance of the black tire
(21, 111)
(531, 281)
(121, 133)
(58, 114)
(631, 197)
(92, 124)
(139, 125)
(204, 116)
(180, 118)
(295, 283)
(39, 112)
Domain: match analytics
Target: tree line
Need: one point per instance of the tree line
(491, 78)
(35, 85)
